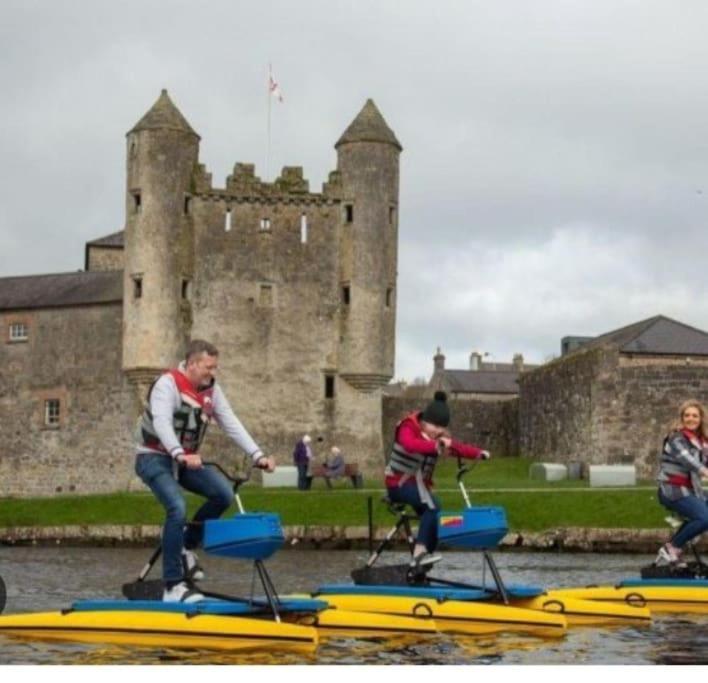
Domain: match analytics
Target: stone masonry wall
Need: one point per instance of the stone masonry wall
(74, 355)
(638, 403)
(493, 426)
(555, 407)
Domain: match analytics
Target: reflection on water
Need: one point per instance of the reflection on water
(46, 579)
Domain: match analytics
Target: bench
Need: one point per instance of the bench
(351, 471)
(548, 471)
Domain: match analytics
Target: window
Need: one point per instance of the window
(391, 215)
(349, 213)
(265, 224)
(303, 229)
(51, 412)
(346, 295)
(389, 297)
(227, 221)
(18, 332)
(187, 205)
(265, 297)
(329, 386)
(137, 286)
(186, 289)
(136, 202)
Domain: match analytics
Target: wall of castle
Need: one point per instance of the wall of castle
(556, 403)
(492, 425)
(105, 258)
(74, 355)
(639, 402)
(271, 302)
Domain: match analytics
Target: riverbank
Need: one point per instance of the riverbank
(569, 539)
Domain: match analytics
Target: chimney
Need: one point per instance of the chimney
(518, 362)
(475, 360)
(438, 361)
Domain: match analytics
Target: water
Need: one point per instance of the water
(46, 579)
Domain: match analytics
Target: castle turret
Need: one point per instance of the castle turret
(368, 161)
(163, 152)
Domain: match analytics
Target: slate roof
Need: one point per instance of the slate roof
(115, 239)
(369, 126)
(61, 289)
(480, 381)
(655, 336)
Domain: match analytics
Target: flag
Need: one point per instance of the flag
(274, 86)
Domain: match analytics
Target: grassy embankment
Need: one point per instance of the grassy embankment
(497, 482)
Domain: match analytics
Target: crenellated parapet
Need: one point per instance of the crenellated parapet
(291, 181)
(333, 186)
(201, 180)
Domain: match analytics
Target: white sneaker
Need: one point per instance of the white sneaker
(181, 592)
(666, 556)
(192, 569)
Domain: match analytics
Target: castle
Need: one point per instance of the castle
(297, 289)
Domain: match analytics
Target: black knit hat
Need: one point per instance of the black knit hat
(437, 411)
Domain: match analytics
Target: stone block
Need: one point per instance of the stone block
(613, 475)
(283, 476)
(548, 471)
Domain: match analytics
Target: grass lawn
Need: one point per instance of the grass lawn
(556, 505)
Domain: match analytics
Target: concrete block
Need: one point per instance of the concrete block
(284, 475)
(548, 471)
(613, 475)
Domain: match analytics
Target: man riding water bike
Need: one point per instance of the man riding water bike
(179, 407)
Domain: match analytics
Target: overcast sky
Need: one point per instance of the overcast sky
(554, 178)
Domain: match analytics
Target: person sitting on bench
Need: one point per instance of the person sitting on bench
(683, 461)
(333, 466)
(418, 441)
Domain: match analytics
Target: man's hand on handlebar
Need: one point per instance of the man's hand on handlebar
(192, 461)
(266, 463)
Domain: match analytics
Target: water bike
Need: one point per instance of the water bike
(222, 622)
(476, 608)
(662, 587)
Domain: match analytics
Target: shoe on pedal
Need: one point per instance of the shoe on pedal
(667, 556)
(424, 561)
(192, 569)
(181, 592)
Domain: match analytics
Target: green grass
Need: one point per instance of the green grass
(558, 505)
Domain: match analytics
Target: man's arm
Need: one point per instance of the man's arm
(227, 420)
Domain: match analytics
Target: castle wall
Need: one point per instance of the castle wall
(73, 354)
(105, 258)
(491, 425)
(555, 407)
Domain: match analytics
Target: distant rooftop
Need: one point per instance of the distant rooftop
(369, 126)
(115, 239)
(61, 289)
(654, 336)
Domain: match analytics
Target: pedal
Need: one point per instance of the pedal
(144, 590)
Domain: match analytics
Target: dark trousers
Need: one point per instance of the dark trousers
(428, 529)
(303, 481)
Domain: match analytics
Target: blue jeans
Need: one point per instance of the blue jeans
(428, 529)
(694, 510)
(156, 471)
(303, 481)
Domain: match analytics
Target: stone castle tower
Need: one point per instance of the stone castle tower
(297, 289)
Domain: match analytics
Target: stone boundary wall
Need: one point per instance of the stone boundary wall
(490, 424)
(571, 539)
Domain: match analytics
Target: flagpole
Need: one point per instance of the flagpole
(267, 168)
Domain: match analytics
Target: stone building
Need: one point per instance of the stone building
(296, 288)
(611, 400)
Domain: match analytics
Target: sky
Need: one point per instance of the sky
(554, 178)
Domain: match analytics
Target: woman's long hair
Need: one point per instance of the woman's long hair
(677, 424)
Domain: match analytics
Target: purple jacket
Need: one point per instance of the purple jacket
(300, 453)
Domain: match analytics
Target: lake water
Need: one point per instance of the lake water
(41, 579)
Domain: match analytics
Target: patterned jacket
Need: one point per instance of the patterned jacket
(683, 456)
